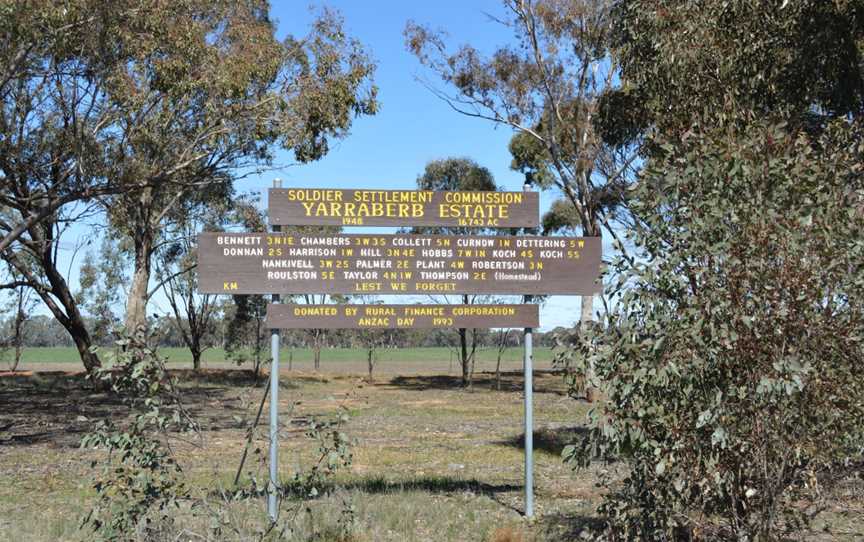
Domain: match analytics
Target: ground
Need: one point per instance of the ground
(431, 461)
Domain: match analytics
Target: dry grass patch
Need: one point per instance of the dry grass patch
(431, 461)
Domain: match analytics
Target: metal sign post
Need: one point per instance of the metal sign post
(529, 422)
(528, 370)
(273, 487)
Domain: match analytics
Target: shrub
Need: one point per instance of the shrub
(733, 359)
(140, 483)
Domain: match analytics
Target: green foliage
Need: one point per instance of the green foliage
(142, 487)
(733, 362)
(246, 336)
(545, 84)
(456, 174)
(333, 453)
(450, 175)
(733, 62)
(154, 108)
(102, 278)
(140, 483)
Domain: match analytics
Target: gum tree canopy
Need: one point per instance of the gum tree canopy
(139, 105)
(733, 359)
(546, 85)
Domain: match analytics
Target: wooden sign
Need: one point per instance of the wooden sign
(297, 263)
(336, 207)
(287, 316)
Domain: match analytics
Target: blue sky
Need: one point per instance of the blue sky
(413, 127)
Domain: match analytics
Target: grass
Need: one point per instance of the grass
(179, 356)
(431, 461)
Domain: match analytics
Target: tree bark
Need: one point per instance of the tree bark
(316, 350)
(472, 358)
(370, 355)
(56, 294)
(20, 316)
(136, 304)
(502, 345)
(586, 319)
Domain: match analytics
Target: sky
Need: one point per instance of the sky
(413, 126)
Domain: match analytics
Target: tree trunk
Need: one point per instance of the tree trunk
(502, 345)
(196, 359)
(587, 313)
(370, 355)
(257, 347)
(20, 316)
(67, 313)
(586, 319)
(18, 351)
(136, 304)
(316, 353)
(472, 358)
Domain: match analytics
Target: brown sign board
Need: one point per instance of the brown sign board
(337, 207)
(289, 316)
(298, 263)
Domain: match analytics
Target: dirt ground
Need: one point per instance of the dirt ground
(431, 460)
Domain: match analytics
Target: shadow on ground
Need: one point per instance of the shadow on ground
(567, 526)
(58, 408)
(511, 381)
(430, 484)
(382, 486)
(551, 440)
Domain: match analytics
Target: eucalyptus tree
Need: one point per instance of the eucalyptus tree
(732, 364)
(141, 105)
(245, 334)
(194, 313)
(244, 96)
(57, 127)
(458, 174)
(732, 63)
(546, 85)
(102, 279)
(370, 339)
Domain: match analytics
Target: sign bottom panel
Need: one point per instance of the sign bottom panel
(295, 316)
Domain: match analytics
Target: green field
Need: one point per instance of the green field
(302, 355)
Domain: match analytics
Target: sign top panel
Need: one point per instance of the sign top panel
(362, 207)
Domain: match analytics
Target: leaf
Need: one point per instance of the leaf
(719, 437)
